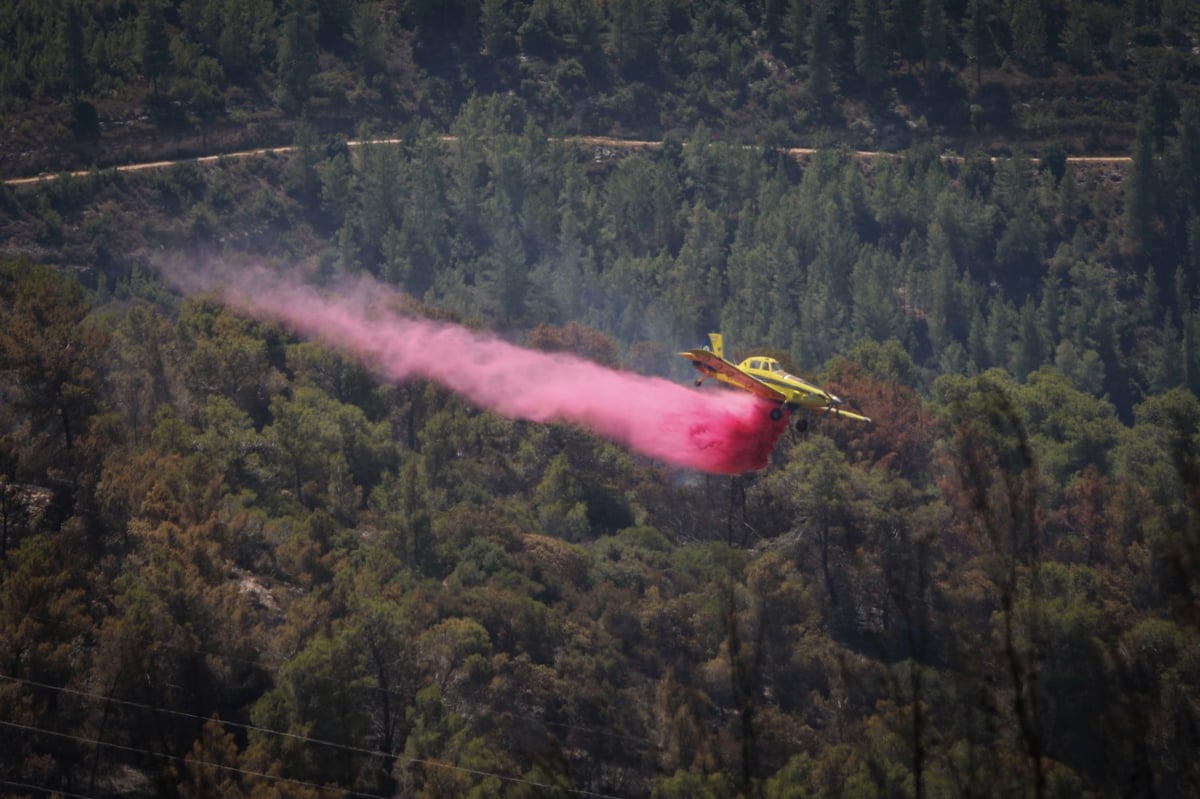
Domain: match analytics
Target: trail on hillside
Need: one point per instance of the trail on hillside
(600, 142)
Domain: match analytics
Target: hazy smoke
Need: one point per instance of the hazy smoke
(713, 431)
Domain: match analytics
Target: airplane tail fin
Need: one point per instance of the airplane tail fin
(718, 344)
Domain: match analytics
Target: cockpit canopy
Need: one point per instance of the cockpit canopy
(774, 374)
(762, 364)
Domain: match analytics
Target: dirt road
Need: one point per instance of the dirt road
(586, 141)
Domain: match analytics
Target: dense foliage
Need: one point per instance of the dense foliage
(84, 81)
(232, 562)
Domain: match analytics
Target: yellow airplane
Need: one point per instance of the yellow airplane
(764, 377)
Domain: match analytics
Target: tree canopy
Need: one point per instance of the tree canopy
(235, 561)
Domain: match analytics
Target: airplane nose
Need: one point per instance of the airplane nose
(835, 399)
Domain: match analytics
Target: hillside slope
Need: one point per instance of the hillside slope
(113, 82)
(237, 560)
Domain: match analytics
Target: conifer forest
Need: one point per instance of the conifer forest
(241, 560)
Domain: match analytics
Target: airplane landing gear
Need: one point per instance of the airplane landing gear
(802, 425)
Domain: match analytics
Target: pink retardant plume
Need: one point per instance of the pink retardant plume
(721, 431)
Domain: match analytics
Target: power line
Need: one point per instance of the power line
(273, 671)
(251, 727)
(24, 786)
(176, 758)
(192, 716)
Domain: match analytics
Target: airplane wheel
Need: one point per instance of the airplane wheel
(776, 414)
(699, 380)
(802, 425)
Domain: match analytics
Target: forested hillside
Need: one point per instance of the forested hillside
(235, 562)
(104, 81)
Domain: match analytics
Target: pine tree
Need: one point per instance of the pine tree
(1191, 255)
(795, 24)
(870, 44)
(944, 311)
(247, 28)
(822, 52)
(977, 341)
(634, 29)
(1028, 24)
(1150, 305)
(79, 71)
(1143, 184)
(1020, 248)
(905, 31)
(153, 43)
(50, 345)
(1164, 111)
(1170, 372)
(876, 314)
(1076, 39)
(296, 56)
(497, 28)
(1139, 12)
(979, 43)
(379, 200)
(1190, 355)
(1050, 310)
(1030, 351)
(1187, 154)
(305, 141)
(999, 333)
(1183, 291)
(933, 32)
(370, 38)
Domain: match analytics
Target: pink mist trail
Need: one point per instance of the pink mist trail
(719, 431)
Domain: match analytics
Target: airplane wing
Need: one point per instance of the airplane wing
(711, 364)
(835, 411)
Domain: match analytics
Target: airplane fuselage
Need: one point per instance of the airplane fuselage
(764, 377)
(797, 393)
